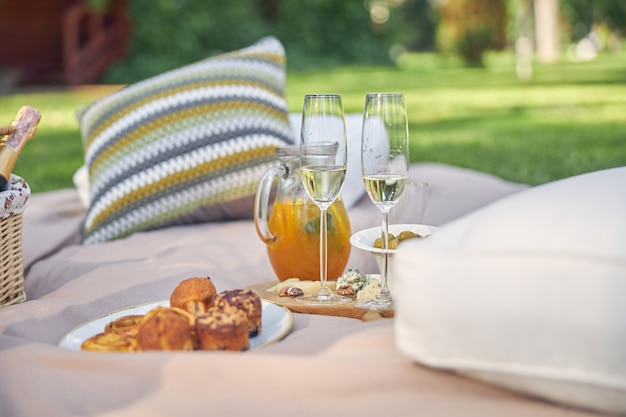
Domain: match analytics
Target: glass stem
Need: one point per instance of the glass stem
(323, 291)
(384, 290)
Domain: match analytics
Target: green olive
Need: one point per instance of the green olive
(393, 242)
(407, 234)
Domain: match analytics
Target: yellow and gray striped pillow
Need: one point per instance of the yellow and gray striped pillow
(187, 145)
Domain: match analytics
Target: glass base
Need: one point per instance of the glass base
(323, 299)
(376, 304)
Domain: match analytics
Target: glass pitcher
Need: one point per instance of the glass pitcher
(291, 232)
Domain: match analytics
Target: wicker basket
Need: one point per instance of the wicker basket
(12, 204)
(12, 272)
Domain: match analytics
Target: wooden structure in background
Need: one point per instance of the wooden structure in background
(60, 42)
(93, 41)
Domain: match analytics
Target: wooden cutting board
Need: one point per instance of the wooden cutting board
(343, 310)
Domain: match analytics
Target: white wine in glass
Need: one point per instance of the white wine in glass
(323, 161)
(385, 169)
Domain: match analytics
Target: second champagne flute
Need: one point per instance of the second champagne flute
(323, 162)
(385, 169)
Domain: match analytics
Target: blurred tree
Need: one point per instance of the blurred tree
(97, 4)
(583, 14)
(170, 33)
(471, 27)
(316, 33)
(269, 9)
(413, 25)
(324, 33)
(547, 33)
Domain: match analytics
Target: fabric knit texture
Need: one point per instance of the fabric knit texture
(196, 137)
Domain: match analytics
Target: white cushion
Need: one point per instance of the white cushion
(528, 293)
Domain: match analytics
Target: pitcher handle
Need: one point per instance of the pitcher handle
(262, 200)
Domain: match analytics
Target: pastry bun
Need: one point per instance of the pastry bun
(111, 342)
(247, 301)
(223, 329)
(194, 295)
(167, 328)
(126, 324)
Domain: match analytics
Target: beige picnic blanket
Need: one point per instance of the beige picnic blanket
(325, 366)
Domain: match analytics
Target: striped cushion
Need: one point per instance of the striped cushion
(185, 145)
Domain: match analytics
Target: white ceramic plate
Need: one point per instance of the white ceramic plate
(276, 323)
(364, 239)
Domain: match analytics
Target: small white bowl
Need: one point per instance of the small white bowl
(364, 239)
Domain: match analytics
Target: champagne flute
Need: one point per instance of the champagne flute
(385, 169)
(323, 160)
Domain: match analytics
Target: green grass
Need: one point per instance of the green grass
(570, 118)
(49, 160)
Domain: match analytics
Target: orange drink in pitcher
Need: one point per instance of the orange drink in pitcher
(291, 231)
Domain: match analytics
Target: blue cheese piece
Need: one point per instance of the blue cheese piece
(352, 278)
(369, 291)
